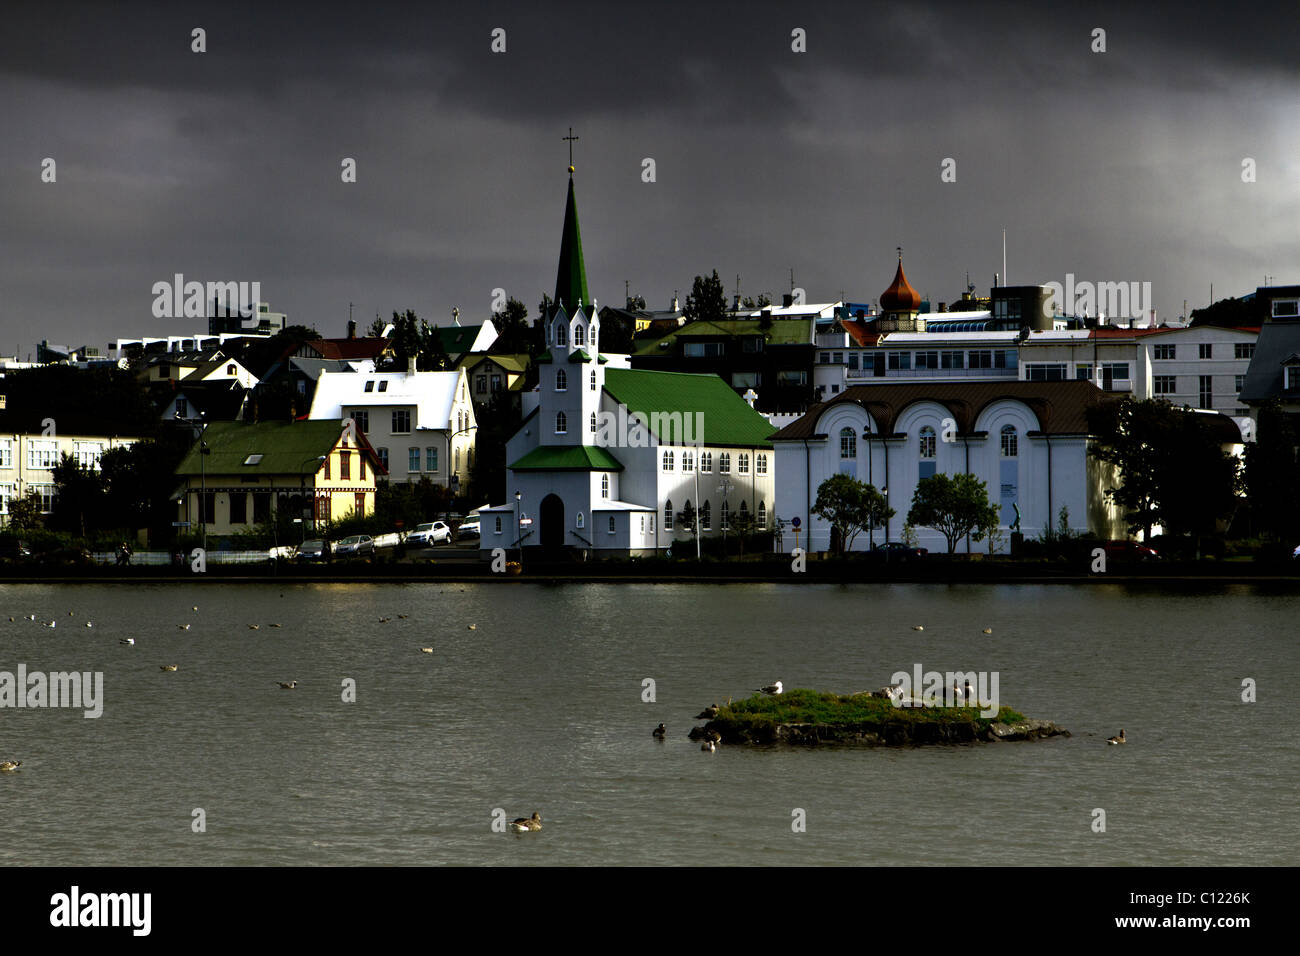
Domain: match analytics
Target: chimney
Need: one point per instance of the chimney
(787, 300)
(410, 365)
(352, 329)
(735, 303)
(943, 306)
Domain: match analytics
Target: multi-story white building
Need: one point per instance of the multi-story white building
(27, 463)
(421, 424)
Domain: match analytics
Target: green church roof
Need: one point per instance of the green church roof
(568, 458)
(571, 276)
(728, 419)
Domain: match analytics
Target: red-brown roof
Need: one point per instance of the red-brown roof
(861, 331)
(345, 349)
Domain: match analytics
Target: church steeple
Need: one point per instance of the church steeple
(571, 276)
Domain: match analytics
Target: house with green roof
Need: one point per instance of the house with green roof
(608, 456)
(239, 475)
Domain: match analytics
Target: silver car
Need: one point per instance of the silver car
(356, 544)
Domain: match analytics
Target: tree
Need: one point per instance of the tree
(686, 518)
(762, 302)
(376, 328)
(850, 507)
(707, 301)
(413, 338)
(1272, 475)
(513, 333)
(79, 498)
(1229, 313)
(1171, 465)
(955, 506)
(25, 513)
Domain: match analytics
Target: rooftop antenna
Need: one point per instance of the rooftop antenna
(1004, 256)
(791, 281)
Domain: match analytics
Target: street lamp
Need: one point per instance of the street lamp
(519, 533)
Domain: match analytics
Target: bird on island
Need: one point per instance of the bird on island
(708, 713)
(127, 640)
(9, 766)
(715, 736)
(659, 732)
(524, 824)
(771, 689)
(426, 650)
(168, 667)
(969, 696)
(289, 686)
(1121, 739)
(708, 746)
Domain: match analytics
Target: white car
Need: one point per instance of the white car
(430, 533)
(469, 527)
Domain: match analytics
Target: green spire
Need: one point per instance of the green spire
(571, 277)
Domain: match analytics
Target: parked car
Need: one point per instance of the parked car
(314, 550)
(1129, 551)
(355, 545)
(13, 548)
(897, 551)
(428, 534)
(469, 527)
(67, 556)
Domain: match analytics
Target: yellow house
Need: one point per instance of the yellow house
(238, 475)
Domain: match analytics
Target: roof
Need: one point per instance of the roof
(362, 348)
(510, 362)
(458, 339)
(431, 393)
(727, 418)
(568, 458)
(286, 448)
(776, 332)
(1061, 407)
(1276, 343)
(313, 367)
(571, 273)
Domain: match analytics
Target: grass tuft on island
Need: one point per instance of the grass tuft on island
(810, 716)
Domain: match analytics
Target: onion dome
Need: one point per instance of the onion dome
(900, 297)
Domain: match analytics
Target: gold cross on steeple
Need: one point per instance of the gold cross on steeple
(571, 138)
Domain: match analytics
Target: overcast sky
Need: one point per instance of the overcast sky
(225, 165)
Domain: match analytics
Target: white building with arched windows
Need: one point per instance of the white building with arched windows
(1027, 441)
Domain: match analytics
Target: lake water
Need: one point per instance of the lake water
(539, 708)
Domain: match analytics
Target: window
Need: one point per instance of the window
(1286, 308)
(42, 455)
(951, 359)
(383, 460)
(593, 423)
(604, 486)
(47, 494)
(579, 337)
(1293, 377)
(496, 384)
(402, 422)
(706, 462)
(6, 496)
(383, 385)
(703, 350)
(1164, 384)
(611, 517)
(1044, 373)
(900, 361)
(1238, 382)
(579, 521)
(361, 465)
(261, 507)
(359, 503)
(726, 516)
(724, 463)
(1207, 391)
(668, 515)
(431, 459)
(6, 453)
(1083, 372)
(1206, 350)
(643, 524)
(593, 380)
(345, 465)
(412, 459)
(561, 423)
(1243, 350)
(322, 507)
(497, 529)
(480, 384)
(792, 377)
(238, 508)
(1165, 352)
(848, 443)
(927, 360)
(688, 462)
(1010, 442)
(562, 335)
(327, 467)
(823, 358)
(853, 360)
(370, 386)
(561, 380)
(980, 359)
(1006, 358)
(760, 466)
(668, 461)
(762, 516)
(927, 443)
(182, 407)
(230, 369)
(705, 520)
(86, 454)
(742, 464)
(362, 418)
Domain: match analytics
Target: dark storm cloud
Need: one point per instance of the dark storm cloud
(1123, 165)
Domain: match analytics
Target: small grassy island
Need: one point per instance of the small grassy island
(864, 719)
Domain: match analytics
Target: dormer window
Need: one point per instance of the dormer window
(561, 335)
(579, 338)
(230, 369)
(383, 386)
(370, 386)
(1292, 377)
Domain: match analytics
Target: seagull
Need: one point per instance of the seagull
(715, 736)
(473, 627)
(9, 766)
(127, 640)
(31, 617)
(426, 650)
(289, 686)
(918, 627)
(708, 713)
(254, 627)
(403, 617)
(659, 732)
(182, 627)
(52, 624)
(1118, 740)
(384, 620)
(708, 746)
(524, 824)
(969, 697)
(277, 625)
(194, 608)
(988, 630)
(168, 667)
(771, 689)
(88, 624)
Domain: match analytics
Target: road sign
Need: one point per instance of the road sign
(180, 524)
(525, 521)
(794, 522)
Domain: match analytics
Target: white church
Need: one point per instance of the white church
(608, 457)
